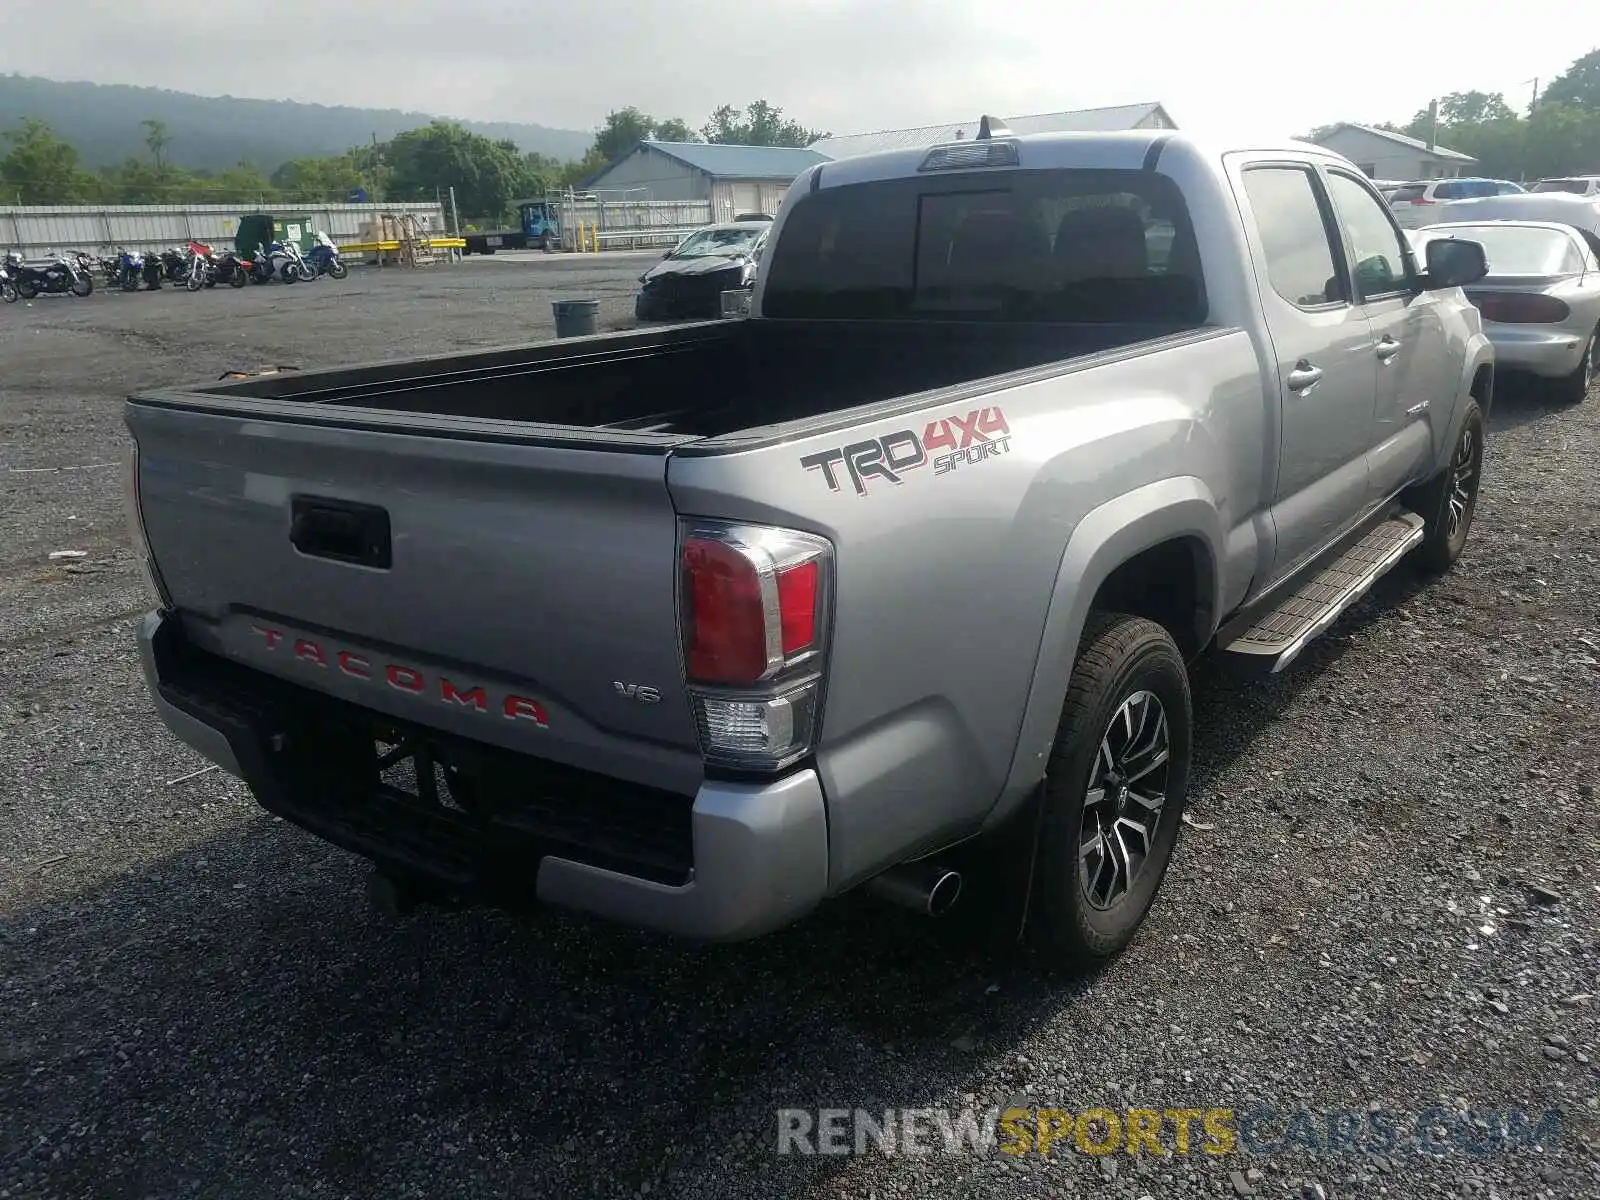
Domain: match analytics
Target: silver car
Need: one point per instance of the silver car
(1541, 299)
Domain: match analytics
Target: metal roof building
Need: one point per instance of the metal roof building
(1385, 154)
(734, 179)
(1085, 120)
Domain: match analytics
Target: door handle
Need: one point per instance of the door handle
(1304, 377)
(1387, 349)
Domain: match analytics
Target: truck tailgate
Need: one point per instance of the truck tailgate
(519, 593)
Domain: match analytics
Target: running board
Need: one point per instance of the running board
(1282, 632)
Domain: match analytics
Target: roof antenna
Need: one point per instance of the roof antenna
(992, 127)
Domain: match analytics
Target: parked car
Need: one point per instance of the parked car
(892, 585)
(1412, 201)
(1577, 185)
(1540, 300)
(690, 279)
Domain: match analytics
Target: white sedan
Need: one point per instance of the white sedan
(1540, 300)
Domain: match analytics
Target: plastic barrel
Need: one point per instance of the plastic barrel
(576, 318)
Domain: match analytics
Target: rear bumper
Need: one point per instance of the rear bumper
(759, 851)
(1552, 353)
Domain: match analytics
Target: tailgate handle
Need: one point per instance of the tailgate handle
(341, 530)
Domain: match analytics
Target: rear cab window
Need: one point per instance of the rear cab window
(1072, 245)
(1408, 194)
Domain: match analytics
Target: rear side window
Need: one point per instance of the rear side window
(1576, 186)
(1408, 194)
(1294, 237)
(1066, 245)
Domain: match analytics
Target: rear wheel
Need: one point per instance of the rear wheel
(83, 285)
(1574, 387)
(1449, 501)
(1114, 790)
(8, 293)
(27, 289)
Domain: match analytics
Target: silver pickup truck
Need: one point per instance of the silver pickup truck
(695, 628)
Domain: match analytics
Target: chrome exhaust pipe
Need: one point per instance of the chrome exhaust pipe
(927, 888)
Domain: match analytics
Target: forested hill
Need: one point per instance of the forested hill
(215, 132)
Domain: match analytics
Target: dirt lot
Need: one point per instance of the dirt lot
(1389, 901)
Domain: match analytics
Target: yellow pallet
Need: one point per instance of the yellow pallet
(394, 247)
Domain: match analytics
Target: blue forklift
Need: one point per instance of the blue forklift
(538, 228)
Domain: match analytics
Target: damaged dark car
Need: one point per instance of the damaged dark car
(690, 280)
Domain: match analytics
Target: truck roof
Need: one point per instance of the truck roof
(1043, 151)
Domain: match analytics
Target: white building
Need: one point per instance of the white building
(734, 179)
(1384, 155)
(1085, 120)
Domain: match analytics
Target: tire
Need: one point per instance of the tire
(305, 270)
(1129, 672)
(1449, 501)
(289, 275)
(8, 293)
(82, 286)
(1574, 387)
(546, 244)
(337, 269)
(27, 289)
(193, 283)
(130, 283)
(238, 279)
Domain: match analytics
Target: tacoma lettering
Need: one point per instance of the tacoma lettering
(402, 677)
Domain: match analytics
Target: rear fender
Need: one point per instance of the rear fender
(1108, 536)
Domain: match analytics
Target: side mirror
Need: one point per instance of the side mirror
(1454, 262)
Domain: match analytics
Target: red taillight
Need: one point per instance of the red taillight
(797, 607)
(725, 636)
(1520, 308)
(751, 601)
(754, 609)
(1424, 200)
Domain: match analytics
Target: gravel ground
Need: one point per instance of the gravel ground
(1389, 898)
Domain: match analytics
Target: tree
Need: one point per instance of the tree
(487, 174)
(41, 168)
(624, 128)
(157, 139)
(1578, 85)
(676, 129)
(331, 179)
(1471, 108)
(761, 124)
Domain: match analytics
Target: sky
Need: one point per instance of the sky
(1230, 69)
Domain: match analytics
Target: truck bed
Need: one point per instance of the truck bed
(697, 381)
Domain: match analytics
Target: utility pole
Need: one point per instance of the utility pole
(455, 213)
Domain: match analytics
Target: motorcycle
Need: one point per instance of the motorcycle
(174, 265)
(230, 269)
(202, 270)
(256, 267)
(134, 267)
(285, 261)
(57, 274)
(324, 258)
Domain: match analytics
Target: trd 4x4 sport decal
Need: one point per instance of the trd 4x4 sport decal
(948, 442)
